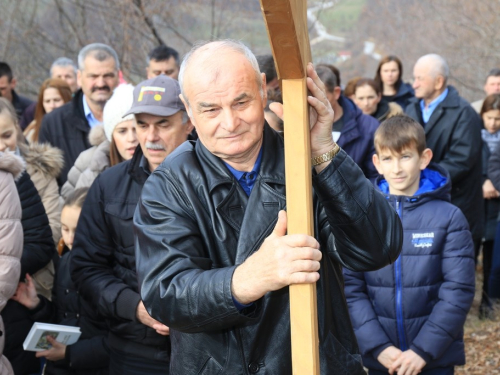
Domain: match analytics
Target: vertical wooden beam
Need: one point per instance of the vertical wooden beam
(303, 305)
(286, 22)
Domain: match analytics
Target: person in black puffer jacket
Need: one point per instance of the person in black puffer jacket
(89, 355)
(103, 265)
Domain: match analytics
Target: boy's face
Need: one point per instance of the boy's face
(402, 170)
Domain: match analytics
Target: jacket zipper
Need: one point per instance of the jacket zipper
(399, 291)
(242, 352)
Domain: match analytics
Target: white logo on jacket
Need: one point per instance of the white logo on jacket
(422, 239)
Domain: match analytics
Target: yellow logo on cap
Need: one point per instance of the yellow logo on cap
(151, 90)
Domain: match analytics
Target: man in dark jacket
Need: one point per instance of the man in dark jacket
(7, 85)
(352, 130)
(213, 257)
(68, 127)
(453, 133)
(103, 260)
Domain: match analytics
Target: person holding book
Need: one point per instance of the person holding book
(89, 355)
(408, 317)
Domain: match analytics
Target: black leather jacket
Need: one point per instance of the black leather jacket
(194, 224)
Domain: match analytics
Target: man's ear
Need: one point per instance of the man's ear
(186, 106)
(189, 126)
(13, 83)
(439, 83)
(336, 92)
(376, 163)
(425, 158)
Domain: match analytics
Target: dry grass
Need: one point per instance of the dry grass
(482, 339)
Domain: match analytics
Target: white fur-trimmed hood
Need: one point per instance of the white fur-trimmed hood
(42, 156)
(12, 163)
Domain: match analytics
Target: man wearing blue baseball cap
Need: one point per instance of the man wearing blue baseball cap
(103, 261)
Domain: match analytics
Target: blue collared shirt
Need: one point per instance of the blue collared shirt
(89, 115)
(247, 179)
(427, 112)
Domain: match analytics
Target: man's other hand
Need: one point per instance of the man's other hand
(144, 317)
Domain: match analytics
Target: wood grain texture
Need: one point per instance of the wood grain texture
(303, 304)
(286, 22)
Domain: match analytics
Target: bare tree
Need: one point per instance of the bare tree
(33, 33)
(462, 31)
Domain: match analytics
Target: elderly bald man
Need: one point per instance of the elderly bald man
(453, 133)
(213, 256)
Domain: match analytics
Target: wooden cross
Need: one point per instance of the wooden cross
(286, 22)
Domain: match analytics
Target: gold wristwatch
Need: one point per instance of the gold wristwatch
(327, 156)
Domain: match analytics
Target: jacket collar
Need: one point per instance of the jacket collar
(271, 170)
(134, 168)
(382, 110)
(254, 216)
(451, 101)
(15, 98)
(435, 184)
(404, 89)
(79, 112)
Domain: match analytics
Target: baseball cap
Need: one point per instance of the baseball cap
(158, 96)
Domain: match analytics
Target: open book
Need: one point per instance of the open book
(36, 340)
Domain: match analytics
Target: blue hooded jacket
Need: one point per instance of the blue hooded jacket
(421, 301)
(356, 138)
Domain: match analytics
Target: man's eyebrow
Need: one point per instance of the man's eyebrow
(211, 105)
(161, 121)
(206, 105)
(241, 97)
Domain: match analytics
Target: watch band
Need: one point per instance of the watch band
(327, 156)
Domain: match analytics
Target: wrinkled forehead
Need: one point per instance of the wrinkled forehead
(215, 77)
(91, 63)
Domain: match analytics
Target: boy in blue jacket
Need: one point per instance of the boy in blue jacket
(408, 317)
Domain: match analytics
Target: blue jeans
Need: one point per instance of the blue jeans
(434, 371)
(494, 282)
(121, 363)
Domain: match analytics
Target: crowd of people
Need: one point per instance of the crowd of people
(154, 217)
